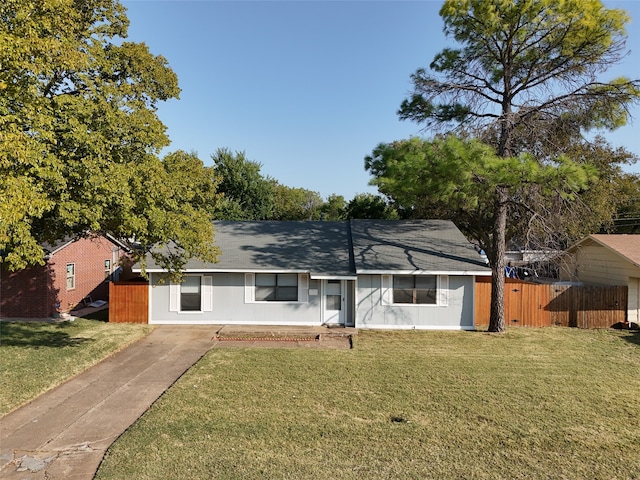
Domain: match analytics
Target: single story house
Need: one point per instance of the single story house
(607, 259)
(413, 274)
(75, 271)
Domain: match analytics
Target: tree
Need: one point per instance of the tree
(295, 203)
(184, 192)
(79, 134)
(450, 177)
(333, 208)
(627, 217)
(247, 195)
(559, 223)
(368, 205)
(526, 73)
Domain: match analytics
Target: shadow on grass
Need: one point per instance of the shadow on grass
(634, 337)
(38, 335)
(99, 315)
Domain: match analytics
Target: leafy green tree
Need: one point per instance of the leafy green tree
(79, 134)
(334, 208)
(627, 217)
(247, 194)
(184, 194)
(295, 203)
(452, 177)
(525, 74)
(368, 205)
(559, 223)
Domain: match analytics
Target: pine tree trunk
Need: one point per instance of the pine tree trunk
(497, 320)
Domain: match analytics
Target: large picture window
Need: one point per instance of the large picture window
(415, 289)
(191, 294)
(276, 287)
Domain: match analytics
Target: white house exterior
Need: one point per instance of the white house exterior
(362, 273)
(608, 260)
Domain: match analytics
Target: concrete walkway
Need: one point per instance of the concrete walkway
(65, 433)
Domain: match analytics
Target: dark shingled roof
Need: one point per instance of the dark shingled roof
(340, 248)
(412, 245)
(321, 248)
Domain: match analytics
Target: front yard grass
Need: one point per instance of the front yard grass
(35, 357)
(532, 404)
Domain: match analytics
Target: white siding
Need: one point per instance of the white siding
(224, 295)
(373, 311)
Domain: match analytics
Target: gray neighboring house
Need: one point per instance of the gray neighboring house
(411, 274)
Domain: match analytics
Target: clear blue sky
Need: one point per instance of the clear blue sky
(306, 88)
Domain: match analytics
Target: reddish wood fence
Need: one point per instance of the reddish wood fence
(129, 302)
(536, 305)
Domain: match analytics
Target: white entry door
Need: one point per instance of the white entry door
(333, 302)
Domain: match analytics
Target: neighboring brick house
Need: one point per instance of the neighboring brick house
(74, 272)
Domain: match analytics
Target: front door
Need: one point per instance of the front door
(334, 302)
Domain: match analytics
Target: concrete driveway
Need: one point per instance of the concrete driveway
(64, 433)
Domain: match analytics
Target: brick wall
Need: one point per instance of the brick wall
(26, 293)
(41, 291)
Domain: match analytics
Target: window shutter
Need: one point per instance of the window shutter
(174, 297)
(303, 288)
(443, 290)
(207, 294)
(386, 292)
(249, 287)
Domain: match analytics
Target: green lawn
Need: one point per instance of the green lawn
(35, 357)
(532, 403)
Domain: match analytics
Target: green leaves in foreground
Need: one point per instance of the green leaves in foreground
(79, 136)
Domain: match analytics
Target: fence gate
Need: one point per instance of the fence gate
(129, 302)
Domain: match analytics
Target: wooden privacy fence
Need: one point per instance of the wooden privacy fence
(541, 305)
(129, 302)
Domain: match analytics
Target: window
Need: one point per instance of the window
(191, 294)
(415, 289)
(276, 287)
(107, 269)
(71, 276)
(334, 295)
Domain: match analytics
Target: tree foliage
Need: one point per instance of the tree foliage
(334, 208)
(79, 134)
(449, 177)
(627, 219)
(247, 194)
(526, 74)
(558, 223)
(291, 203)
(525, 78)
(368, 205)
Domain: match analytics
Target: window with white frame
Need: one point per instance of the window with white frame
(418, 289)
(193, 294)
(107, 269)
(276, 287)
(415, 290)
(71, 276)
